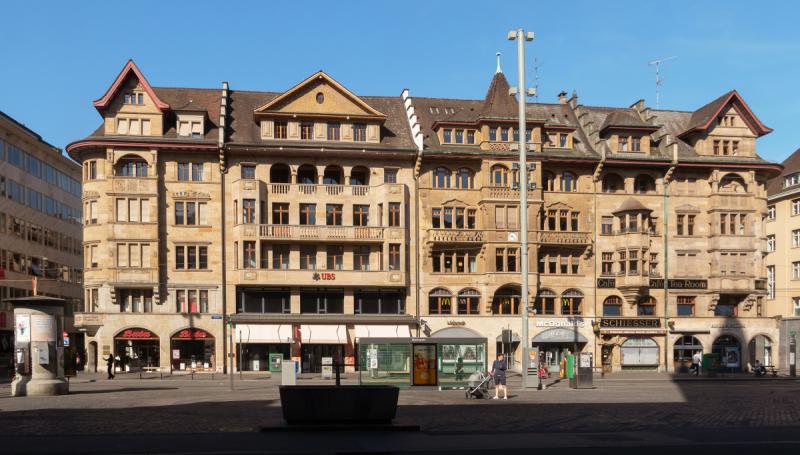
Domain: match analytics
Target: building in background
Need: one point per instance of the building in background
(40, 230)
(783, 244)
(309, 249)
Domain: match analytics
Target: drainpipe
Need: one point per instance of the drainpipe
(667, 180)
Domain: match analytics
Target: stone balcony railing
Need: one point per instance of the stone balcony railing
(564, 237)
(456, 236)
(360, 191)
(505, 193)
(316, 232)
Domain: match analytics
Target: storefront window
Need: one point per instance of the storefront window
(275, 300)
(192, 349)
(322, 302)
(136, 348)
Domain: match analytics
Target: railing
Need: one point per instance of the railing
(310, 232)
(503, 192)
(313, 189)
(456, 235)
(564, 238)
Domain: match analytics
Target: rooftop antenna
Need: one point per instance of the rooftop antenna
(536, 78)
(498, 70)
(659, 80)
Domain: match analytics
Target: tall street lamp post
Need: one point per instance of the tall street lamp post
(521, 37)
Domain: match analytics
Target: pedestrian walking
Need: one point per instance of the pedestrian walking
(110, 363)
(696, 359)
(498, 373)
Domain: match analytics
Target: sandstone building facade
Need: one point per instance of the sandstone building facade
(298, 222)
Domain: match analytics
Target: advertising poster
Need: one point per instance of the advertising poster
(22, 328)
(43, 328)
(424, 364)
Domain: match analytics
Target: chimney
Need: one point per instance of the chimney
(562, 97)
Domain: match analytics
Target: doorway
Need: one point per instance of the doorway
(91, 357)
(425, 364)
(311, 356)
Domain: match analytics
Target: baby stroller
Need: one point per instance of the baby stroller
(478, 385)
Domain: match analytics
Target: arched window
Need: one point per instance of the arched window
(307, 175)
(644, 184)
(548, 181)
(469, 301)
(683, 352)
(359, 176)
(571, 302)
(569, 182)
(131, 166)
(441, 177)
(506, 300)
(732, 183)
(646, 306)
(613, 183)
(332, 176)
(612, 306)
(464, 179)
(440, 301)
(545, 302)
(499, 175)
(279, 173)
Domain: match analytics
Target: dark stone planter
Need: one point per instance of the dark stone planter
(321, 404)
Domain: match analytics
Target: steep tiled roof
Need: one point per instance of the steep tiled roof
(702, 117)
(498, 102)
(625, 118)
(631, 204)
(791, 165)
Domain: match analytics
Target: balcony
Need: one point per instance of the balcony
(135, 276)
(331, 278)
(506, 193)
(314, 232)
(455, 236)
(358, 191)
(744, 284)
(563, 238)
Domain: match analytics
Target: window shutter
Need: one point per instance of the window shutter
(201, 213)
(513, 214)
(122, 210)
(146, 255)
(146, 127)
(133, 210)
(145, 210)
(122, 255)
(499, 217)
(183, 128)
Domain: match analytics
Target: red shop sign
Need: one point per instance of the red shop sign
(137, 333)
(192, 334)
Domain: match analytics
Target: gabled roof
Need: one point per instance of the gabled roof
(791, 165)
(311, 79)
(498, 102)
(102, 103)
(624, 118)
(703, 118)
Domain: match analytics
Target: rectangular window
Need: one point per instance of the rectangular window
(394, 256)
(360, 215)
(470, 137)
(334, 131)
(795, 270)
(335, 257)
(281, 129)
(180, 257)
(248, 171)
(607, 227)
(280, 213)
(183, 171)
(493, 134)
(607, 264)
(504, 134)
(307, 131)
(771, 282)
(562, 140)
(511, 260)
(280, 257)
(249, 254)
(636, 144)
(622, 144)
(796, 207)
(771, 213)
(333, 214)
(359, 132)
(308, 257)
(308, 214)
(248, 211)
(197, 172)
(389, 175)
(436, 218)
(796, 305)
(361, 258)
(394, 214)
(459, 136)
(686, 305)
(680, 221)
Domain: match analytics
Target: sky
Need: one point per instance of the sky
(60, 56)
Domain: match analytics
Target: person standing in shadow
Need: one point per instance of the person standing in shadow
(696, 360)
(110, 363)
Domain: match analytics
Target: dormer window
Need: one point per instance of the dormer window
(281, 129)
(133, 98)
(493, 134)
(790, 180)
(334, 131)
(622, 144)
(359, 132)
(636, 144)
(459, 136)
(470, 137)
(447, 134)
(504, 134)
(306, 131)
(190, 128)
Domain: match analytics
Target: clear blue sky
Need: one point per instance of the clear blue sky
(59, 56)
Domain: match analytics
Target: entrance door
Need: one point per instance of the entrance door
(312, 354)
(639, 353)
(425, 364)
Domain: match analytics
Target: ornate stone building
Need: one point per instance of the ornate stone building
(313, 217)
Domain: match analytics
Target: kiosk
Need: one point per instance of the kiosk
(38, 346)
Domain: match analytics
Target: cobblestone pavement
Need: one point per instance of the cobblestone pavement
(617, 403)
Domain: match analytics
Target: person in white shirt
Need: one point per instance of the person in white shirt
(696, 360)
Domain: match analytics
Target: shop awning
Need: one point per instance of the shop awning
(382, 331)
(323, 334)
(559, 335)
(263, 333)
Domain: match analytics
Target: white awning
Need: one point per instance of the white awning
(382, 331)
(324, 334)
(263, 333)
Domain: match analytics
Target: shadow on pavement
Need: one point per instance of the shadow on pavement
(123, 389)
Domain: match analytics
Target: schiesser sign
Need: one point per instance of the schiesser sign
(624, 323)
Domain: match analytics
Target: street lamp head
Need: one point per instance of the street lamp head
(531, 91)
(529, 36)
(512, 35)
(512, 91)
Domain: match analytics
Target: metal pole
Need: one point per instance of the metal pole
(666, 275)
(230, 354)
(523, 202)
